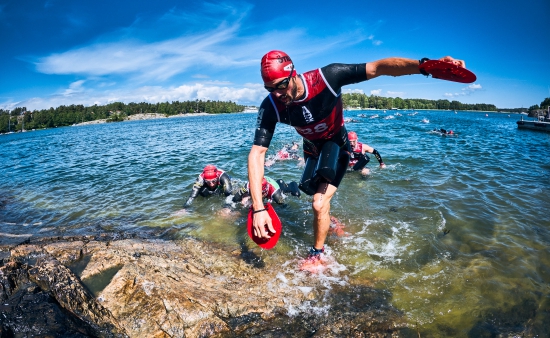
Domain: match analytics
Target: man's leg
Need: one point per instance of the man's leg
(321, 212)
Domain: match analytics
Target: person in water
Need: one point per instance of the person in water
(358, 157)
(290, 151)
(271, 189)
(443, 131)
(312, 103)
(211, 181)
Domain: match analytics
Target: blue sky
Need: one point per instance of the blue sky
(60, 52)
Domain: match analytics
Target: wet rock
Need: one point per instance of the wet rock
(28, 311)
(51, 276)
(184, 288)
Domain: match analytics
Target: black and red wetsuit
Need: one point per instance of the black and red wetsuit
(318, 115)
(200, 187)
(357, 154)
(272, 190)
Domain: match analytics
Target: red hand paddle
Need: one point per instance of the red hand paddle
(447, 71)
(266, 243)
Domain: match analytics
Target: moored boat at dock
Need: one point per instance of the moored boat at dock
(542, 123)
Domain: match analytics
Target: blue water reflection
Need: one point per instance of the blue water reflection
(454, 223)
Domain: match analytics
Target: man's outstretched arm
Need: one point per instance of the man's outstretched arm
(396, 66)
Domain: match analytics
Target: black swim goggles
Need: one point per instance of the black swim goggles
(281, 85)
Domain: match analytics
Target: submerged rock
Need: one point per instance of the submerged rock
(137, 287)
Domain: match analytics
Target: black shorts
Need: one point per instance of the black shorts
(313, 148)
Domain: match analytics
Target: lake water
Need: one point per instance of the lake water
(456, 229)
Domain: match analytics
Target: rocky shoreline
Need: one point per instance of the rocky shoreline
(125, 285)
(135, 117)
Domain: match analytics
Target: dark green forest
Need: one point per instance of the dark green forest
(19, 118)
(357, 100)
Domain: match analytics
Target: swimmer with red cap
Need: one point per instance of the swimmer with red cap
(271, 190)
(211, 181)
(311, 103)
(358, 157)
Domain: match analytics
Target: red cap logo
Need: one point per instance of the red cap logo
(275, 65)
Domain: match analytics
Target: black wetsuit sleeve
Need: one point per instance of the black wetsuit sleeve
(265, 124)
(377, 155)
(278, 197)
(195, 191)
(238, 197)
(340, 74)
(225, 182)
(242, 193)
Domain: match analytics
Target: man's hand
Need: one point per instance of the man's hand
(188, 203)
(382, 165)
(454, 61)
(261, 219)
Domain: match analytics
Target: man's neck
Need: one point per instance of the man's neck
(300, 86)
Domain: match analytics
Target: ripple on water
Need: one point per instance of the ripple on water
(456, 229)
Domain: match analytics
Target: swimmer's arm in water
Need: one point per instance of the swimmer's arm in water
(379, 158)
(195, 191)
(225, 182)
(371, 150)
(278, 197)
(242, 193)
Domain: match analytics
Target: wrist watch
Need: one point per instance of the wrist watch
(422, 71)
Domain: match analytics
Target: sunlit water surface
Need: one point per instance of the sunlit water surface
(456, 228)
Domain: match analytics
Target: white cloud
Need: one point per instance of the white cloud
(397, 94)
(374, 42)
(74, 87)
(250, 93)
(135, 64)
(376, 92)
(349, 91)
(465, 91)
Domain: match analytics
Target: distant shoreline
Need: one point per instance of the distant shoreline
(135, 117)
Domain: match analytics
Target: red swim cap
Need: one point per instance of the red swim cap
(275, 65)
(352, 136)
(210, 172)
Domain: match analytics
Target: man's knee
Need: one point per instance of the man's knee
(320, 204)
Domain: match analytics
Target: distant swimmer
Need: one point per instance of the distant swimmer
(288, 152)
(359, 159)
(271, 190)
(443, 131)
(211, 181)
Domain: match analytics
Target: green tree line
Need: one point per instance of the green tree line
(20, 117)
(358, 100)
(543, 105)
